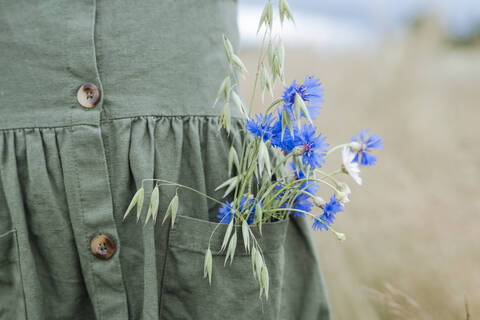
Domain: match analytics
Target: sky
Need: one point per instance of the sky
(350, 23)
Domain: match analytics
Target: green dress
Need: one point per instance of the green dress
(94, 97)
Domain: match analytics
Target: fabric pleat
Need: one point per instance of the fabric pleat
(35, 203)
(186, 149)
(39, 212)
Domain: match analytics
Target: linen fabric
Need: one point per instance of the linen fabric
(67, 173)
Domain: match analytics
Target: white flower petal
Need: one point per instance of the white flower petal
(352, 168)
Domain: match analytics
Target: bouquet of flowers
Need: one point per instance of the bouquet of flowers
(278, 172)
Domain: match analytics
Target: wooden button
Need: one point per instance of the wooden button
(88, 95)
(102, 246)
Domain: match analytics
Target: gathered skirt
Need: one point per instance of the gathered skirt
(62, 186)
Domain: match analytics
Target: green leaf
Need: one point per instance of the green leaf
(231, 248)
(297, 107)
(258, 264)
(223, 90)
(276, 72)
(231, 183)
(233, 159)
(133, 202)
(281, 10)
(279, 60)
(267, 16)
(251, 152)
(271, 53)
(265, 82)
(239, 103)
(225, 119)
(265, 280)
(261, 157)
(238, 64)
(280, 52)
(286, 122)
(227, 235)
(140, 203)
(174, 208)
(264, 159)
(155, 194)
(228, 48)
(246, 237)
(227, 183)
(300, 105)
(171, 209)
(259, 215)
(253, 256)
(284, 11)
(153, 207)
(207, 267)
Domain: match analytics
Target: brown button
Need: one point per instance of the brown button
(102, 246)
(88, 95)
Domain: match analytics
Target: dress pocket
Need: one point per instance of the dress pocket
(234, 293)
(12, 301)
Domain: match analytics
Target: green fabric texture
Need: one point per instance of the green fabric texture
(68, 173)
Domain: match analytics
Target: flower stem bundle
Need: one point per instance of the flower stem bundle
(277, 174)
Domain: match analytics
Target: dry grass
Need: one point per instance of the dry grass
(414, 223)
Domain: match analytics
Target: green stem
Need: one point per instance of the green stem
(304, 212)
(259, 63)
(274, 103)
(337, 147)
(185, 187)
(274, 172)
(288, 186)
(330, 175)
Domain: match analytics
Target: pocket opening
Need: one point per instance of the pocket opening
(7, 244)
(12, 297)
(193, 234)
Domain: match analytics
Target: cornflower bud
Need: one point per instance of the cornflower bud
(340, 236)
(298, 151)
(342, 197)
(355, 146)
(344, 189)
(319, 202)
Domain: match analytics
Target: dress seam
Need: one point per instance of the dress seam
(132, 116)
(71, 125)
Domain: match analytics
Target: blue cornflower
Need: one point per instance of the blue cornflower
(333, 206)
(311, 93)
(302, 202)
(363, 157)
(226, 211)
(328, 216)
(259, 128)
(315, 147)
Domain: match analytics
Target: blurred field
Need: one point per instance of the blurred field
(413, 227)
